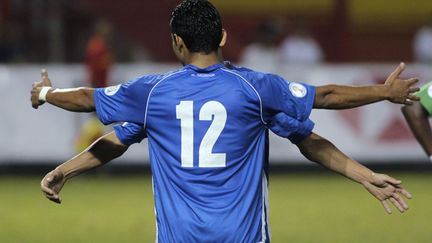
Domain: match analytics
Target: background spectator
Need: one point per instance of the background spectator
(423, 43)
(300, 47)
(99, 59)
(263, 53)
(99, 55)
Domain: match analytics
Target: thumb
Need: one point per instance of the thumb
(397, 71)
(45, 79)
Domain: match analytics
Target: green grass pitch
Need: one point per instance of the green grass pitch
(303, 208)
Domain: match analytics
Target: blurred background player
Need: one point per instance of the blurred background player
(98, 62)
(417, 116)
(274, 45)
(99, 56)
(423, 43)
(263, 53)
(300, 47)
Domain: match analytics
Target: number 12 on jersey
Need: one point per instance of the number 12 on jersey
(211, 110)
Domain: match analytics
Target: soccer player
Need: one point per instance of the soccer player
(417, 116)
(98, 61)
(207, 128)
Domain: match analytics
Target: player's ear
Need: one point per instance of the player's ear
(178, 42)
(224, 36)
(175, 42)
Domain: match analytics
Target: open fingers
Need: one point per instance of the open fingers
(404, 192)
(397, 71)
(397, 204)
(386, 206)
(413, 97)
(400, 200)
(413, 89)
(412, 81)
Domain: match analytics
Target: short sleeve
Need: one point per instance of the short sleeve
(286, 106)
(288, 127)
(278, 95)
(130, 133)
(125, 102)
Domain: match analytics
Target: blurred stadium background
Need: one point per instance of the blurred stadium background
(358, 42)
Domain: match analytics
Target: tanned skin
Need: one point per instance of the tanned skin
(395, 90)
(383, 187)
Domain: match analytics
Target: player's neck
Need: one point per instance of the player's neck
(203, 60)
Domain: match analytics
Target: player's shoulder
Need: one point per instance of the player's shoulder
(253, 76)
(152, 79)
(266, 84)
(147, 79)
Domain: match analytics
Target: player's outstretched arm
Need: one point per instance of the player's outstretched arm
(105, 149)
(77, 100)
(418, 120)
(396, 90)
(383, 187)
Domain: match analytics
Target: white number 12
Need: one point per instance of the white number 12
(211, 110)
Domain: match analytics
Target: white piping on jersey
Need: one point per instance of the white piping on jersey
(155, 212)
(148, 98)
(265, 228)
(144, 125)
(267, 206)
(259, 97)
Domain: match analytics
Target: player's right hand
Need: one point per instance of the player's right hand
(387, 189)
(401, 91)
(36, 88)
(51, 185)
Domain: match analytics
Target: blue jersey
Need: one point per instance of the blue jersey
(207, 132)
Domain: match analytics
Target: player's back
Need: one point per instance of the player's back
(207, 132)
(207, 143)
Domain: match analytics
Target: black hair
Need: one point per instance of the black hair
(199, 24)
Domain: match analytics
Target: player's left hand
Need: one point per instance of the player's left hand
(51, 185)
(36, 88)
(385, 189)
(401, 91)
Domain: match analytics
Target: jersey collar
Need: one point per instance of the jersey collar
(205, 70)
